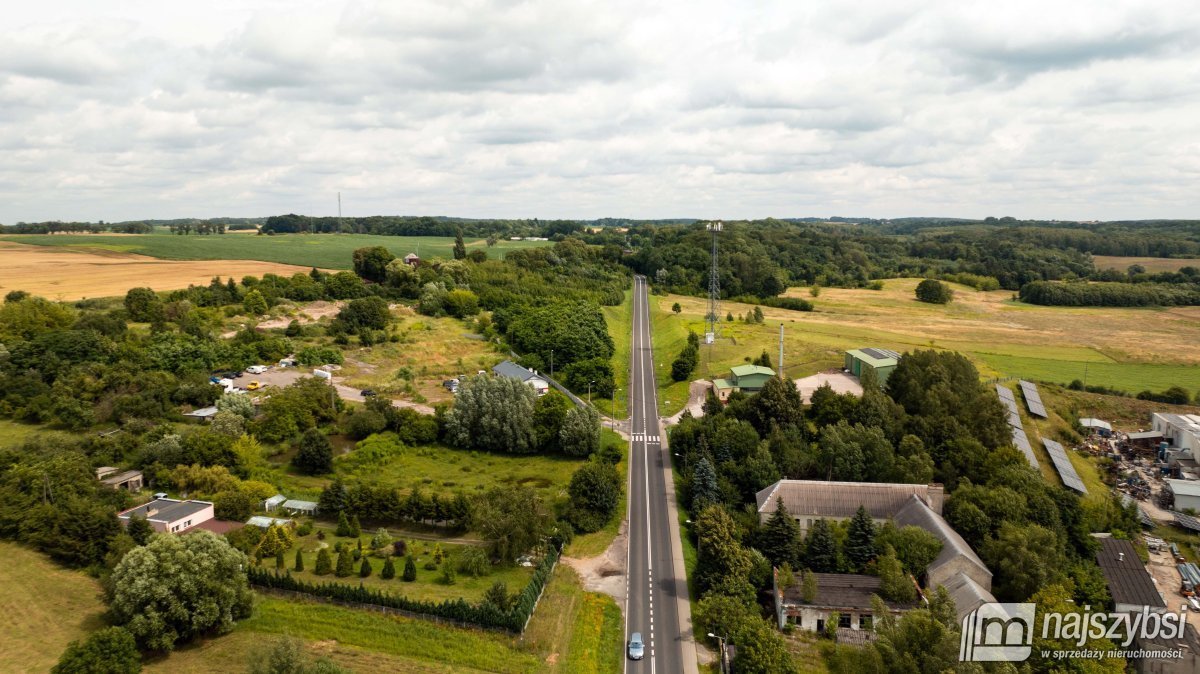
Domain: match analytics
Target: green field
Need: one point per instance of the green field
(328, 251)
(42, 609)
(1129, 349)
(620, 327)
(572, 631)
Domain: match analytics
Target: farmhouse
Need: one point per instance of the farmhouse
(513, 371)
(744, 378)
(1129, 583)
(846, 594)
(171, 515)
(881, 361)
(129, 480)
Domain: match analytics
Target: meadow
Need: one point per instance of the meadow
(327, 251)
(1128, 349)
(42, 609)
(620, 325)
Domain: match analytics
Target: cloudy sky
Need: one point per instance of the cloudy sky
(151, 109)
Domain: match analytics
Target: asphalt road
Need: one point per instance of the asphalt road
(657, 603)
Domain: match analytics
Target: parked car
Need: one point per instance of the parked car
(637, 649)
(253, 386)
(256, 369)
(368, 393)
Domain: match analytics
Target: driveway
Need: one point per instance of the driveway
(286, 376)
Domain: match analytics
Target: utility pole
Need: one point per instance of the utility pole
(781, 351)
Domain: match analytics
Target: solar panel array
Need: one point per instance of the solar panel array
(1062, 463)
(1033, 399)
(1126, 499)
(1022, 442)
(1186, 521)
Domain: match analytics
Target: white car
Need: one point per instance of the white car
(256, 369)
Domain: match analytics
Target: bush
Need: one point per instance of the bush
(112, 650)
(474, 562)
(324, 563)
(389, 569)
(934, 292)
(410, 569)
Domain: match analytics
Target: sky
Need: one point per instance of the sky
(563, 109)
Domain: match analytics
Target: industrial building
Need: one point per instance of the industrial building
(882, 361)
(1180, 430)
(744, 378)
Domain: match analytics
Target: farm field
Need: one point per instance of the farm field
(72, 274)
(328, 251)
(1129, 349)
(1152, 264)
(43, 608)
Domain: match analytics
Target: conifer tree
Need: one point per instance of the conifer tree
(345, 564)
(355, 529)
(343, 527)
(705, 490)
(860, 540)
(324, 563)
(280, 564)
(389, 569)
(299, 560)
(780, 536)
(410, 569)
(820, 552)
(364, 569)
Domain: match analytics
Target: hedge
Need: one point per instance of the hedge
(457, 610)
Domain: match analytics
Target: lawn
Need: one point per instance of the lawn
(44, 607)
(428, 584)
(1131, 349)
(328, 251)
(571, 631)
(430, 351)
(620, 328)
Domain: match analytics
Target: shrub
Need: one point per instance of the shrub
(410, 569)
(324, 563)
(389, 569)
(112, 650)
(934, 292)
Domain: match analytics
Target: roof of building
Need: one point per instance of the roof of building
(165, 509)
(513, 371)
(275, 500)
(295, 504)
(123, 476)
(1145, 435)
(1189, 642)
(967, 594)
(842, 499)
(875, 357)
(264, 522)
(218, 527)
(840, 591)
(1128, 580)
(722, 384)
(1185, 422)
(1184, 487)
(748, 370)
(412, 256)
(1088, 422)
(916, 513)
(203, 412)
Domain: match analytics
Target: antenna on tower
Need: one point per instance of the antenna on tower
(714, 288)
(339, 212)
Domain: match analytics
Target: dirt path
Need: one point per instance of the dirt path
(605, 573)
(697, 392)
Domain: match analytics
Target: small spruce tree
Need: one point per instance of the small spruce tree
(355, 528)
(280, 564)
(324, 563)
(345, 564)
(299, 560)
(343, 528)
(364, 569)
(389, 569)
(410, 569)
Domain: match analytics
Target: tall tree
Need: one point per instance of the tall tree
(722, 564)
(371, 263)
(820, 548)
(139, 529)
(493, 414)
(460, 248)
(315, 456)
(779, 539)
(705, 490)
(580, 432)
(860, 540)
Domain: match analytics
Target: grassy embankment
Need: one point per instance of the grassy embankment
(620, 327)
(1130, 349)
(328, 251)
(42, 609)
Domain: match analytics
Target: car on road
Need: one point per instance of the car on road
(637, 649)
(253, 386)
(368, 393)
(256, 369)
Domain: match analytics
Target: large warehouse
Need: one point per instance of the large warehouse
(882, 361)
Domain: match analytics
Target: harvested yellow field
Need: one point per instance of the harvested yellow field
(1152, 264)
(62, 274)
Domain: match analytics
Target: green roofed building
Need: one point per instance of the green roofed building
(745, 378)
(882, 361)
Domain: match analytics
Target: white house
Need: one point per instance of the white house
(171, 515)
(1187, 494)
(1181, 430)
(846, 594)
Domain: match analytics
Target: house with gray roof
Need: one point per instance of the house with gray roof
(810, 500)
(846, 594)
(170, 515)
(957, 567)
(513, 371)
(1130, 584)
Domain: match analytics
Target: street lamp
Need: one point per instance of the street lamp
(552, 363)
(590, 391)
(721, 646)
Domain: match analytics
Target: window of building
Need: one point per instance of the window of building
(187, 523)
(844, 620)
(865, 622)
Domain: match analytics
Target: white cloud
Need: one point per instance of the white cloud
(583, 109)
